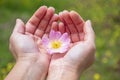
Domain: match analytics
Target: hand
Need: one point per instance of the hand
(23, 44)
(81, 53)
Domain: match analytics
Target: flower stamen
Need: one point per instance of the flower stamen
(56, 44)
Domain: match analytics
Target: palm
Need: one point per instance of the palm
(32, 44)
(21, 40)
(26, 39)
(80, 51)
(72, 57)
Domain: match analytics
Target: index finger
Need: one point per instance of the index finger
(33, 22)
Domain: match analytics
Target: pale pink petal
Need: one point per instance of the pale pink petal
(64, 48)
(67, 43)
(45, 40)
(52, 32)
(65, 38)
(54, 35)
(60, 50)
(52, 51)
(49, 51)
(55, 51)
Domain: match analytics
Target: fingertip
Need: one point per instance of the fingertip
(61, 23)
(88, 23)
(44, 6)
(73, 12)
(19, 27)
(56, 16)
(19, 21)
(55, 26)
(52, 8)
(54, 23)
(60, 13)
(89, 32)
(65, 11)
(61, 27)
(61, 16)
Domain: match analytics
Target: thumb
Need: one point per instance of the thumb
(89, 33)
(19, 27)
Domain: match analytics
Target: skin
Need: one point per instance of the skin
(80, 56)
(33, 59)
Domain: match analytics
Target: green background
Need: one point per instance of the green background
(105, 17)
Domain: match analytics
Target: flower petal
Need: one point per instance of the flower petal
(54, 35)
(62, 49)
(52, 51)
(45, 41)
(52, 32)
(65, 38)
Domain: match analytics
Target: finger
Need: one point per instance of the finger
(54, 19)
(89, 33)
(79, 23)
(71, 26)
(69, 22)
(44, 22)
(61, 27)
(55, 26)
(61, 18)
(77, 20)
(33, 22)
(19, 27)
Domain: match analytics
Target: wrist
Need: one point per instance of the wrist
(63, 72)
(28, 68)
(19, 71)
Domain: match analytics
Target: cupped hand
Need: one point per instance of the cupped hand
(25, 38)
(81, 53)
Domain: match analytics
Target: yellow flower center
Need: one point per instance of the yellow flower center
(56, 44)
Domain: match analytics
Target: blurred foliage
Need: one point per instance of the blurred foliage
(105, 17)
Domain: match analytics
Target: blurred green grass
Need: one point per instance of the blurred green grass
(105, 17)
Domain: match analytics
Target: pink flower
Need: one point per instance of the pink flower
(56, 42)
